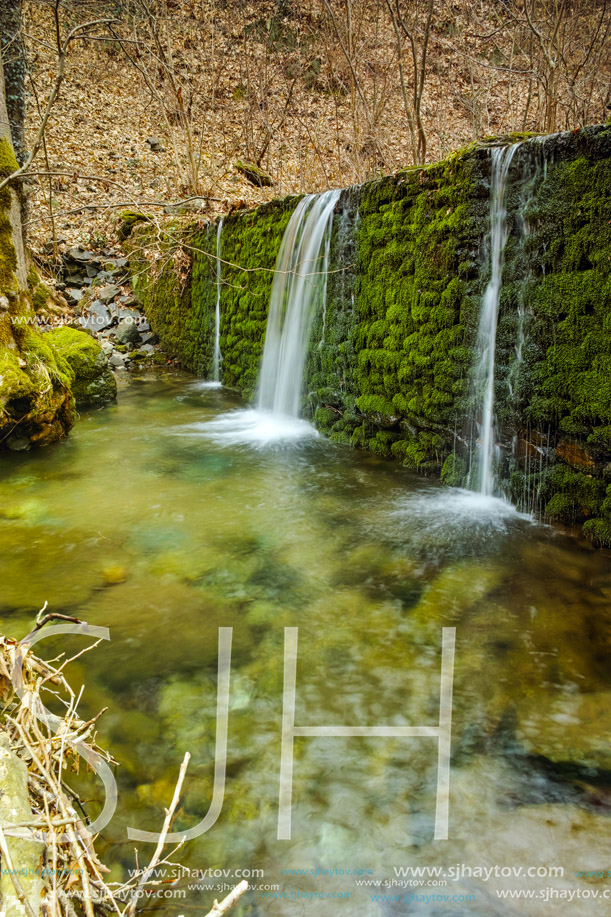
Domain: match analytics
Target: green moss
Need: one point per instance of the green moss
(254, 174)
(37, 348)
(415, 280)
(377, 410)
(8, 258)
(8, 161)
(573, 496)
(39, 292)
(599, 531)
(82, 357)
(454, 471)
(382, 443)
(127, 220)
(15, 383)
(35, 399)
(325, 418)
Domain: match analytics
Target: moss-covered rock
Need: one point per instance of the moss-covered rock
(127, 220)
(93, 382)
(254, 174)
(35, 398)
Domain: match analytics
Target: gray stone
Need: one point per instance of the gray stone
(73, 295)
(74, 280)
(79, 254)
(99, 317)
(109, 292)
(150, 338)
(131, 314)
(147, 348)
(127, 332)
(155, 144)
(116, 359)
(103, 278)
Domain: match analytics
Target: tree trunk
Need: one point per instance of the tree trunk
(35, 399)
(10, 203)
(14, 62)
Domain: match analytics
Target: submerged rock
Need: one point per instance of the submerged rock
(93, 382)
(573, 729)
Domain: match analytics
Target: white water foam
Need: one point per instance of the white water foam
(252, 427)
(450, 512)
(204, 385)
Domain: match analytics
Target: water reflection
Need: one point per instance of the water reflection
(163, 538)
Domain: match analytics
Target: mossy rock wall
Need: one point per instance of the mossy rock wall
(391, 354)
(180, 304)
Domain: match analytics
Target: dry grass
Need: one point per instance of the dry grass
(48, 855)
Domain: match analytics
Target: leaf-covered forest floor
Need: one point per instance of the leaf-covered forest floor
(160, 109)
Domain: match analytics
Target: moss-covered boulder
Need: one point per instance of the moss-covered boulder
(254, 174)
(127, 220)
(93, 382)
(36, 404)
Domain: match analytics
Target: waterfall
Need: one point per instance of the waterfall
(217, 356)
(298, 289)
(298, 292)
(486, 335)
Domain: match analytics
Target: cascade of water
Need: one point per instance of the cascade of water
(486, 335)
(298, 289)
(217, 356)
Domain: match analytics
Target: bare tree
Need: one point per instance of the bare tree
(63, 41)
(405, 23)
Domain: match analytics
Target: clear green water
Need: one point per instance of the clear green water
(163, 537)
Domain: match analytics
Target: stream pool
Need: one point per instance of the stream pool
(143, 522)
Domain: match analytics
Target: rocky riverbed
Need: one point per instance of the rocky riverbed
(97, 289)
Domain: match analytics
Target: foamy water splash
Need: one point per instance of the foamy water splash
(251, 428)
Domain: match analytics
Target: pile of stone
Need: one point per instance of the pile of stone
(83, 269)
(96, 286)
